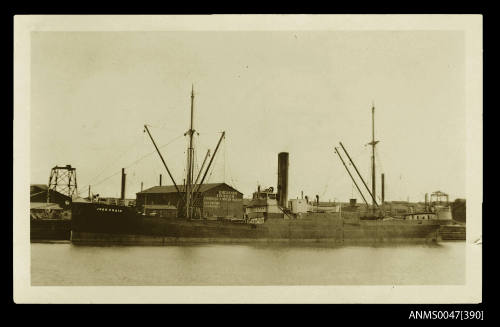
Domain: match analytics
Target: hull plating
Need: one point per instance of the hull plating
(113, 224)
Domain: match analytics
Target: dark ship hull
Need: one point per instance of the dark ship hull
(107, 224)
(50, 230)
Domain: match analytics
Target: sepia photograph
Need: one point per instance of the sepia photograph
(248, 159)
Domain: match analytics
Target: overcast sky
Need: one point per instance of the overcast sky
(299, 92)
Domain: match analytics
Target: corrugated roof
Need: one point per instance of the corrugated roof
(44, 205)
(171, 188)
(38, 189)
(40, 186)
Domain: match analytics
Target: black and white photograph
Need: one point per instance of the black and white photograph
(248, 159)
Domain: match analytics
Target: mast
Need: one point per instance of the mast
(189, 177)
(373, 143)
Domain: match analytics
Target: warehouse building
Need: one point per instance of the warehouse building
(39, 192)
(215, 200)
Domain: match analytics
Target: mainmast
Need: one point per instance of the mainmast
(190, 163)
(373, 143)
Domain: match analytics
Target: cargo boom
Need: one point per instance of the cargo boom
(267, 221)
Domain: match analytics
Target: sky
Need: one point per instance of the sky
(299, 92)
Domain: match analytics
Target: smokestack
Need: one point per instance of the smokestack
(160, 179)
(302, 194)
(383, 188)
(142, 184)
(123, 184)
(282, 178)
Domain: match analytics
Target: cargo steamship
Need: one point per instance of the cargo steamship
(266, 219)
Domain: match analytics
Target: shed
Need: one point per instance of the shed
(38, 193)
(44, 210)
(212, 200)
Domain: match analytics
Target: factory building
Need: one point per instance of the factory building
(215, 200)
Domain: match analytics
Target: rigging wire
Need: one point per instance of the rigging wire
(202, 144)
(230, 172)
(212, 168)
(132, 164)
(356, 156)
(195, 160)
(160, 124)
(341, 172)
(378, 161)
(113, 162)
(224, 164)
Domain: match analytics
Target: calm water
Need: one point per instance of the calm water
(67, 264)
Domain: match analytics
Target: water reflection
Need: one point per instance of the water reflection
(249, 264)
